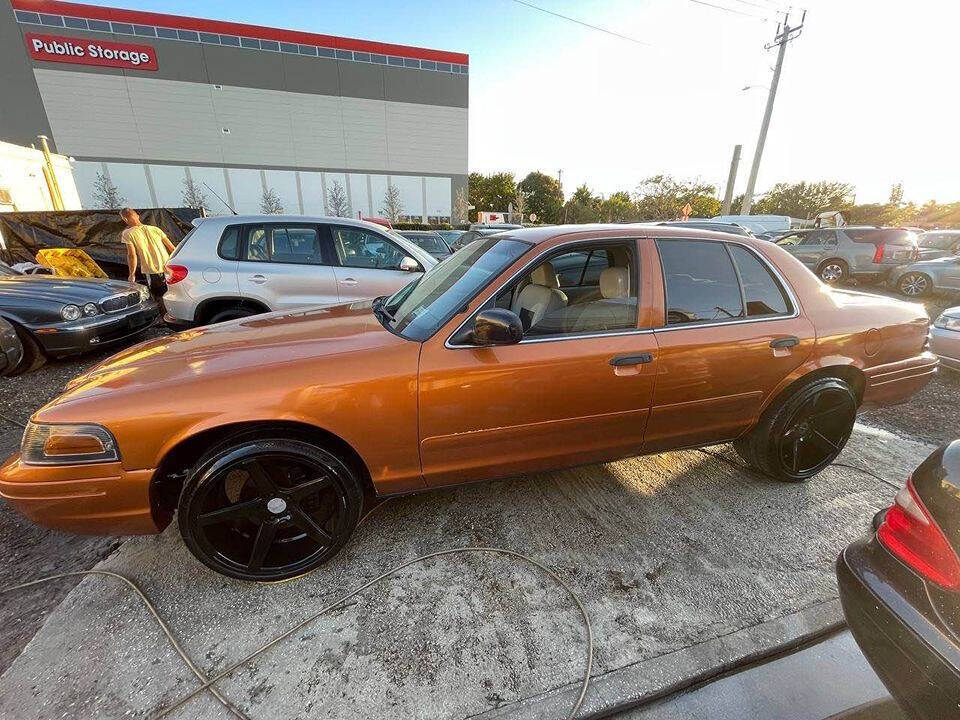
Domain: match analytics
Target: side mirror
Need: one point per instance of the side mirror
(497, 326)
(408, 264)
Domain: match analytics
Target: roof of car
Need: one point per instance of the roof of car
(231, 219)
(542, 234)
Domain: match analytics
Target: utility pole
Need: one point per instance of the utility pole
(731, 180)
(785, 34)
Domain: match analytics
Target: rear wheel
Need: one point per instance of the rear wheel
(230, 314)
(268, 508)
(800, 435)
(833, 271)
(914, 284)
(33, 356)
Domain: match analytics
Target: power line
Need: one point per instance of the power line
(768, 7)
(584, 24)
(728, 9)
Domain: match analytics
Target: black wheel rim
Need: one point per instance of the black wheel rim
(268, 515)
(816, 432)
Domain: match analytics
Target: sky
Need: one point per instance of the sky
(867, 95)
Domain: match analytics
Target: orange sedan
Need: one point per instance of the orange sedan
(527, 350)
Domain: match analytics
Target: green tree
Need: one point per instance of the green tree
(544, 197)
(661, 197)
(803, 199)
(618, 208)
(582, 207)
(392, 207)
(492, 193)
(896, 194)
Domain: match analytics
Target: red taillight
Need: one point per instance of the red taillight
(911, 534)
(878, 255)
(175, 273)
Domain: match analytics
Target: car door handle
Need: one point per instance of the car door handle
(784, 342)
(258, 279)
(348, 281)
(621, 360)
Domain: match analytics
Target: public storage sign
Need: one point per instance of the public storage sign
(55, 48)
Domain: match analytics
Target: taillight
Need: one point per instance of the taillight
(175, 273)
(911, 534)
(878, 255)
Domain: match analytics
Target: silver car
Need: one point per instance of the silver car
(945, 338)
(862, 253)
(920, 278)
(938, 243)
(233, 266)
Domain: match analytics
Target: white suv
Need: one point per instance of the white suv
(233, 266)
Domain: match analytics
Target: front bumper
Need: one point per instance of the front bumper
(897, 382)
(95, 499)
(884, 603)
(89, 334)
(945, 344)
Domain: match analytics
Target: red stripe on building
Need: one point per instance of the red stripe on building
(179, 22)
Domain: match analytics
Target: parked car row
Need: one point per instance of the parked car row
(555, 346)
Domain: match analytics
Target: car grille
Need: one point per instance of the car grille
(116, 303)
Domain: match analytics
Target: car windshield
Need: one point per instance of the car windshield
(939, 241)
(431, 242)
(419, 309)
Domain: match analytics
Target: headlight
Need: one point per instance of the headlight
(947, 322)
(70, 312)
(90, 310)
(144, 293)
(67, 444)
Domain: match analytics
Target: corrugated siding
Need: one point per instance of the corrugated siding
(98, 115)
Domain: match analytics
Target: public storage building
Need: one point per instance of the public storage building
(153, 101)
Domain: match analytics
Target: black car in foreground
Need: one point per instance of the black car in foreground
(57, 316)
(900, 590)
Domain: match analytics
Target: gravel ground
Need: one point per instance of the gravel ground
(30, 550)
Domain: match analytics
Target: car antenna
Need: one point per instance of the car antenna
(219, 198)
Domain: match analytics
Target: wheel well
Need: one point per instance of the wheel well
(850, 374)
(208, 308)
(167, 481)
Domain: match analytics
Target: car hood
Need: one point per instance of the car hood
(260, 342)
(61, 290)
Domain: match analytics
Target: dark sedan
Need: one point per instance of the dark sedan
(58, 316)
(900, 590)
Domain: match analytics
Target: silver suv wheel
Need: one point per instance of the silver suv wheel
(831, 273)
(914, 284)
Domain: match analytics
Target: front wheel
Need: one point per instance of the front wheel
(802, 434)
(834, 272)
(914, 284)
(268, 508)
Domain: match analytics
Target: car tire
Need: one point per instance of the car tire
(230, 314)
(268, 505)
(33, 357)
(833, 271)
(802, 433)
(914, 284)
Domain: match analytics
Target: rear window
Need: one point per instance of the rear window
(230, 243)
(881, 235)
(700, 282)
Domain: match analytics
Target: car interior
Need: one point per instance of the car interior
(590, 290)
(360, 249)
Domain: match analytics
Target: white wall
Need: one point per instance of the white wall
(21, 174)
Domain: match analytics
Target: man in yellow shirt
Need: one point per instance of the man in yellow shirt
(148, 247)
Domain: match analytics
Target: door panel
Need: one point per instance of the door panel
(368, 263)
(362, 283)
(712, 381)
(495, 411)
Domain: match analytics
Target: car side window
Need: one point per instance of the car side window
(764, 296)
(360, 248)
(820, 237)
(229, 248)
(283, 244)
(546, 309)
(700, 280)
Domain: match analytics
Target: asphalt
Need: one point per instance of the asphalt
(683, 562)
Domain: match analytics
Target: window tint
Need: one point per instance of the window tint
(229, 243)
(700, 282)
(763, 293)
(880, 235)
(547, 307)
(359, 248)
(820, 237)
(283, 244)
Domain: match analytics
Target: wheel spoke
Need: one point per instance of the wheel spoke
(298, 492)
(827, 440)
(261, 546)
(310, 526)
(829, 411)
(796, 454)
(231, 512)
(261, 480)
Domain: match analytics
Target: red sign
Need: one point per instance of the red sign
(55, 48)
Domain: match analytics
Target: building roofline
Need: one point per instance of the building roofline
(181, 22)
